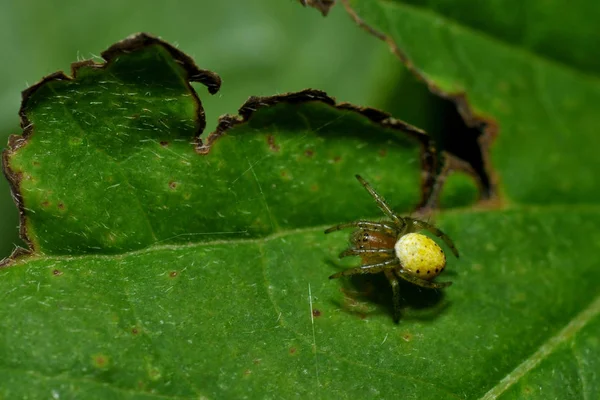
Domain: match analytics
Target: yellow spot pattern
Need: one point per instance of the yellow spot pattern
(420, 255)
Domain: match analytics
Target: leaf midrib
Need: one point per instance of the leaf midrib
(563, 208)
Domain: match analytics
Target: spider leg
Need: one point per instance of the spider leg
(418, 225)
(396, 290)
(383, 206)
(375, 226)
(357, 252)
(407, 276)
(366, 269)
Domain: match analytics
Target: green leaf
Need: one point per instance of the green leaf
(229, 319)
(532, 82)
(130, 129)
(534, 105)
(116, 187)
(236, 39)
(185, 314)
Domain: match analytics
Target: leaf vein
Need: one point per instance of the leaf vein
(576, 324)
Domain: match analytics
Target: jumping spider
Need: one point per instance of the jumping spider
(394, 248)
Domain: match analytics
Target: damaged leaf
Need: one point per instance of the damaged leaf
(111, 160)
(531, 82)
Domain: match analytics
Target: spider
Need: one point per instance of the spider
(394, 248)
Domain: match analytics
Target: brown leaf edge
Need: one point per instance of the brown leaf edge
(322, 5)
(381, 118)
(129, 45)
(489, 197)
(225, 123)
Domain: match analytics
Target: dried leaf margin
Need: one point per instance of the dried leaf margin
(381, 118)
(486, 124)
(324, 6)
(130, 44)
(212, 81)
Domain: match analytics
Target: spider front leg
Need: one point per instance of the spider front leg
(366, 269)
(383, 206)
(396, 290)
(407, 276)
(369, 225)
(422, 225)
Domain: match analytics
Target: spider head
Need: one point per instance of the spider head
(367, 239)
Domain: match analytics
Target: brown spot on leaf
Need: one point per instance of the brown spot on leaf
(45, 203)
(247, 372)
(172, 185)
(135, 331)
(61, 206)
(164, 143)
(383, 152)
(309, 153)
(316, 313)
(271, 142)
(256, 361)
(314, 188)
(292, 350)
(173, 274)
(337, 159)
(100, 360)
(36, 163)
(57, 272)
(407, 337)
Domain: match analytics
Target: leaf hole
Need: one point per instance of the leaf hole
(448, 120)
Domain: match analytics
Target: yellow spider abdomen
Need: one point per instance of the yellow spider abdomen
(420, 255)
